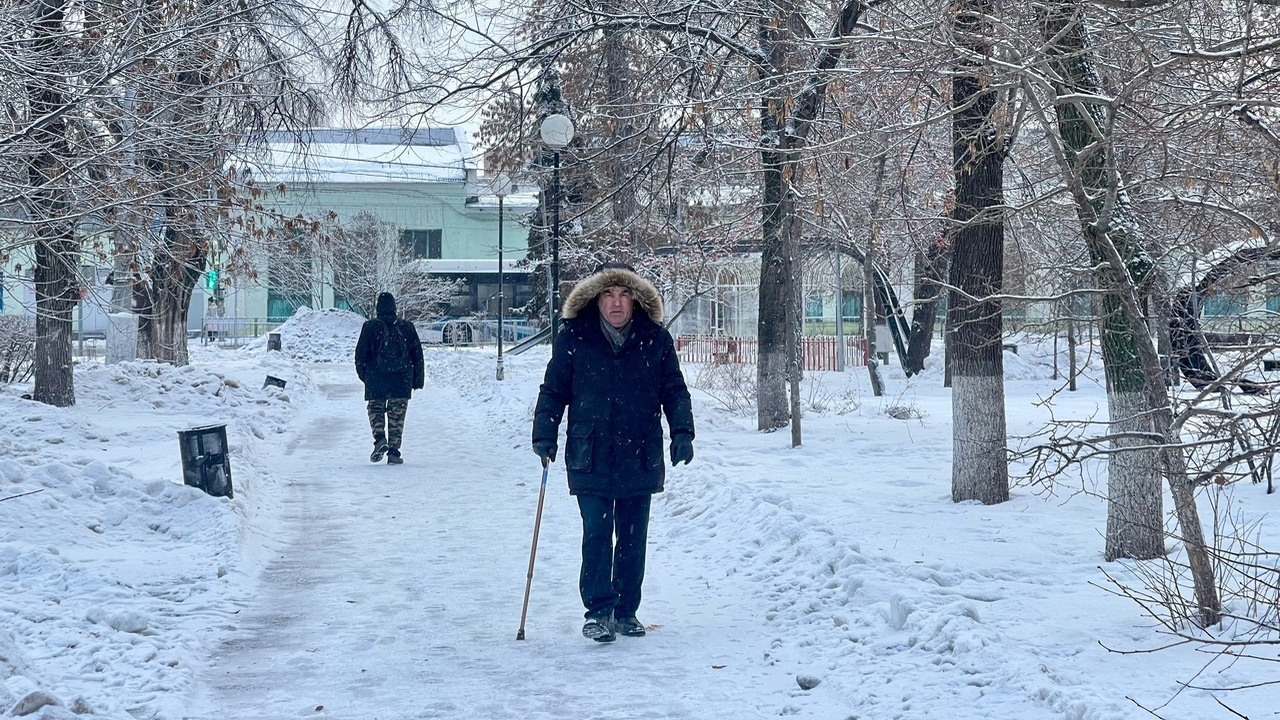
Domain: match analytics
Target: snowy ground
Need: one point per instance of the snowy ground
(331, 587)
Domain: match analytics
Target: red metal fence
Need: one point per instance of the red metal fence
(819, 353)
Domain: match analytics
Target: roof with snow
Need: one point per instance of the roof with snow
(368, 155)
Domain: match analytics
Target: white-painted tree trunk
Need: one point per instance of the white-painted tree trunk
(1135, 506)
(979, 468)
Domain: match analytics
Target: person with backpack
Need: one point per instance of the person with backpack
(614, 368)
(389, 363)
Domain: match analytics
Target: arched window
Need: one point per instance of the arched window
(852, 301)
(813, 306)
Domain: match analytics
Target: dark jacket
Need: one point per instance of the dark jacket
(614, 446)
(379, 385)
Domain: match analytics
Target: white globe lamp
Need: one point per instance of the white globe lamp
(556, 131)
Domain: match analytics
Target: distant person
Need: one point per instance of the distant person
(389, 363)
(616, 371)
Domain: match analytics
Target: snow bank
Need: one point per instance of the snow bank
(325, 336)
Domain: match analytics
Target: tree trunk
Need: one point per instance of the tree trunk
(56, 247)
(978, 469)
(1172, 460)
(795, 285)
(142, 307)
(869, 304)
(872, 312)
(779, 24)
(173, 280)
(930, 270)
(1126, 342)
(620, 107)
(775, 271)
(1135, 526)
(1135, 507)
(56, 288)
(1072, 346)
(776, 256)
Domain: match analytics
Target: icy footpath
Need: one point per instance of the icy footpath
(395, 592)
(113, 575)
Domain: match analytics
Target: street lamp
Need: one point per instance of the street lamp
(501, 188)
(557, 132)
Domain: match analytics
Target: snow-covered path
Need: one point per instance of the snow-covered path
(396, 591)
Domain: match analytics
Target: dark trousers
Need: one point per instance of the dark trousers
(386, 420)
(613, 570)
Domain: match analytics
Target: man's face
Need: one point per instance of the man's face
(615, 305)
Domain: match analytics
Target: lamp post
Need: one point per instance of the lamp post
(557, 132)
(501, 188)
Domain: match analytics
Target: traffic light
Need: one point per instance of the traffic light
(211, 280)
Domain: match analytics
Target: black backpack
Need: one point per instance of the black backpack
(393, 354)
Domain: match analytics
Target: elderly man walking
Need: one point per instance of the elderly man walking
(616, 370)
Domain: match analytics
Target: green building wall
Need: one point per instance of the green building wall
(468, 231)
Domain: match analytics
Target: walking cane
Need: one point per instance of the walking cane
(537, 522)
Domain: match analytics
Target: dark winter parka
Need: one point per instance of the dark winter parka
(379, 385)
(614, 446)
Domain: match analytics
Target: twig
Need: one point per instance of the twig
(1230, 710)
(29, 492)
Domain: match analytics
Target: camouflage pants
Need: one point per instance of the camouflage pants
(388, 414)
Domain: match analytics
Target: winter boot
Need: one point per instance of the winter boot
(599, 629)
(378, 451)
(393, 457)
(629, 626)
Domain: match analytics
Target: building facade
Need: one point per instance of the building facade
(436, 212)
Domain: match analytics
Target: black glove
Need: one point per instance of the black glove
(545, 449)
(681, 449)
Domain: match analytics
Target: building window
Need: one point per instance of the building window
(1225, 304)
(421, 244)
(852, 300)
(813, 307)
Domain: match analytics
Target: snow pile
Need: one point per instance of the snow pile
(325, 336)
(104, 554)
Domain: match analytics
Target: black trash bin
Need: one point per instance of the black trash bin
(273, 341)
(273, 381)
(206, 461)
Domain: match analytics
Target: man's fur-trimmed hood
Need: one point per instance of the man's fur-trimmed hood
(585, 292)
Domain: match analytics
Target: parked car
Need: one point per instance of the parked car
(452, 331)
(473, 330)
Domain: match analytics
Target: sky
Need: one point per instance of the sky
(835, 580)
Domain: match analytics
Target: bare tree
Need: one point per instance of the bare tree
(367, 259)
(1135, 527)
(130, 113)
(1122, 106)
(49, 201)
(975, 329)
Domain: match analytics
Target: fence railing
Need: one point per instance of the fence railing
(235, 330)
(818, 353)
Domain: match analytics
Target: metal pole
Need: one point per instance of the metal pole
(555, 247)
(500, 287)
(533, 552)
